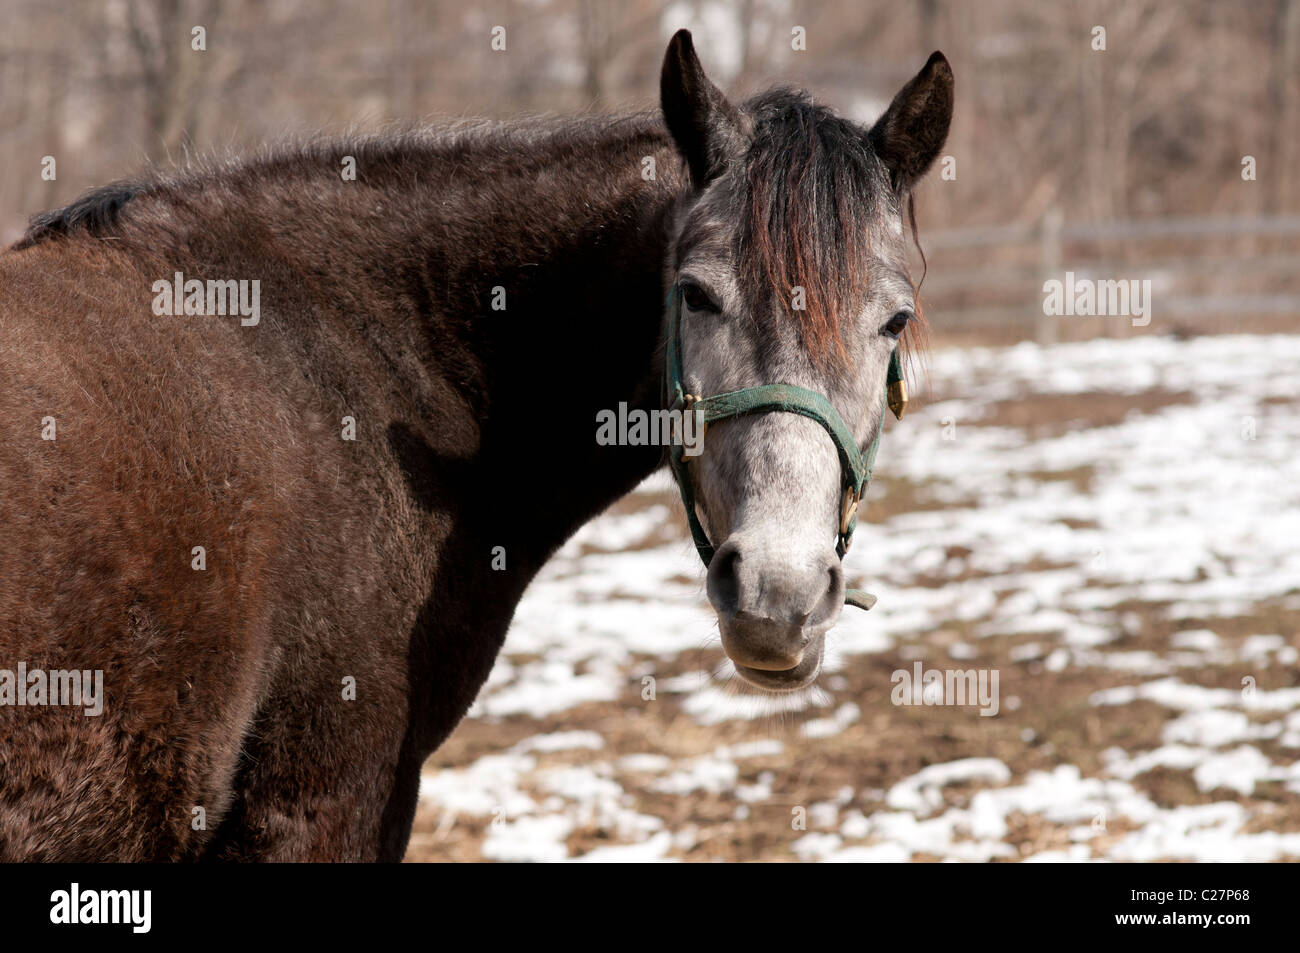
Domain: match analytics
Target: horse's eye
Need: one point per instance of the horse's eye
(897, 324)
(696, 298)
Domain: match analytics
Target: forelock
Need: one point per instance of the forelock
(814, 193)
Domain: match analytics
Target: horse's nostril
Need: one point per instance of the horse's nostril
(832, 596)
(768, 587)
(723, 584)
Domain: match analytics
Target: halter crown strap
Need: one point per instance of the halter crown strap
(855, 466)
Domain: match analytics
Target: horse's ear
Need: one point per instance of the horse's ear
(704, 125)
(908, 137)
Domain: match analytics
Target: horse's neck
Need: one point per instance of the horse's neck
(550, 317)
(481, 301)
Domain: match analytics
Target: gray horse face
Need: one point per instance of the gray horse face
(769, 486)
(791, 260)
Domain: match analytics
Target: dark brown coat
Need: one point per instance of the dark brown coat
(325, 558)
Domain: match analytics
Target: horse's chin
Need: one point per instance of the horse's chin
(789, 680)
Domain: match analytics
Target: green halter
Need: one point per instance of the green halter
(773, 398)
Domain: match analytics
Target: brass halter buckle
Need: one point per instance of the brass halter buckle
(848, 510)
(897, 398)
(688, 406)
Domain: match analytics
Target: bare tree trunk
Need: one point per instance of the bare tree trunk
(595, 38)
(160, 33)
(1286, 99)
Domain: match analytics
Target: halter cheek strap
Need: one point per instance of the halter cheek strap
(855, 466)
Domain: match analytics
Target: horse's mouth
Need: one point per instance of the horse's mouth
(786, 680)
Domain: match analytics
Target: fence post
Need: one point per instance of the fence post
(1049, 251)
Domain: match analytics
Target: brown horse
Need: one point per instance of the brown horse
(281, 446)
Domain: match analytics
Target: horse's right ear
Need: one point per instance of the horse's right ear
(704, 125)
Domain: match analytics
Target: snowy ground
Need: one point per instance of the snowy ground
(1112, 527)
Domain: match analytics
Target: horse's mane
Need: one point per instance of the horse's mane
(95, 212)
(395, 152)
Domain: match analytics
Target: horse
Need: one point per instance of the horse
(283, 445)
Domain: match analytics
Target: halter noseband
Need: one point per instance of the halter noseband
(773, 398)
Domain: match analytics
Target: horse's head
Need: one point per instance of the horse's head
(788, 267)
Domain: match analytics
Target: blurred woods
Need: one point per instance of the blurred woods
(1155, 126)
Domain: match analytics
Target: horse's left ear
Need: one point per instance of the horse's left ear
(908, 137)
(705, 126)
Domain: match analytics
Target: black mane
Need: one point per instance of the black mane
(97, 212)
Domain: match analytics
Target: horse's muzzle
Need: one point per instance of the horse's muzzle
(773, 613)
